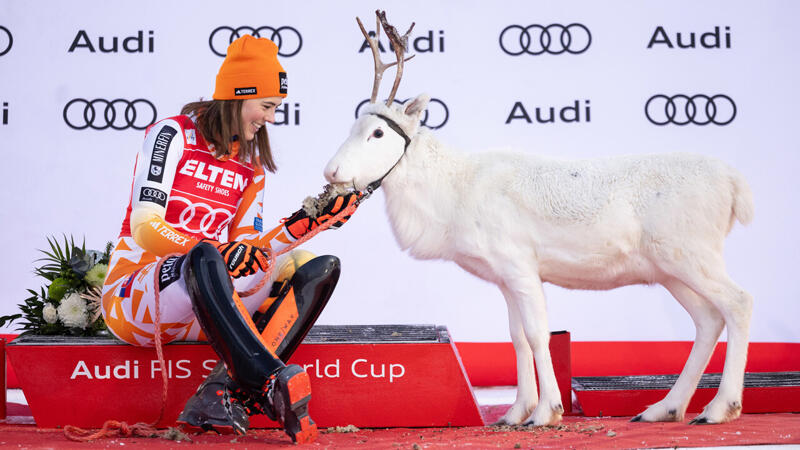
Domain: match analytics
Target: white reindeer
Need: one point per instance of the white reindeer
(518, 220)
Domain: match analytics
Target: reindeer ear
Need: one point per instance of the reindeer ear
(417, 106)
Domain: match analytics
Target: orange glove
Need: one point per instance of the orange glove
(337, 205)
(300, 223)
(242, 259)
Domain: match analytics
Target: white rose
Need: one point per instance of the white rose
(49, 313)
(72, 311)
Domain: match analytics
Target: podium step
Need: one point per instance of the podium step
(364, 375)
(764, 392)
(377, 334)
(319, 334)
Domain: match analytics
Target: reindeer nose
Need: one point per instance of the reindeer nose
(331, 176)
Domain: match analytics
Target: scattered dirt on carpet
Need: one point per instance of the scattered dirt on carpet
(174, 434)
(347, 429)
(588, 429)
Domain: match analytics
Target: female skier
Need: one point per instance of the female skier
(198, 176)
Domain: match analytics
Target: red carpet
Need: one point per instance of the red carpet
(574, 432)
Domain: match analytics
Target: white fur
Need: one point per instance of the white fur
(518, 220)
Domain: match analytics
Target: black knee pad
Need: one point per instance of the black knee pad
(230, 333)
(312, 286)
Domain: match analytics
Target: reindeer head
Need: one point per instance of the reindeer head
(383, 131)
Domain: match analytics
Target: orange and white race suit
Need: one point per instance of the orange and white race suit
(180, 195)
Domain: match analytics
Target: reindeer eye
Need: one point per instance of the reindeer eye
(378, 133)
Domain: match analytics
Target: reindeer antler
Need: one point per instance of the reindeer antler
(400, 44)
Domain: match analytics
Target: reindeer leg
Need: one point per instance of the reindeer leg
(528, 295)
(709, 323)
(527, 396)
(736, 306)
(710, 280)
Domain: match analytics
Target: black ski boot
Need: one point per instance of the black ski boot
(216, 406)
(220, 405)
(288, 398)
(250, 358)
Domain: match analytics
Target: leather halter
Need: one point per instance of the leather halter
(394, 126)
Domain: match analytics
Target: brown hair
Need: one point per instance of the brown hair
(216, 120)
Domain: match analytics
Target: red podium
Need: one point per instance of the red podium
(629, 395)
(367, 376)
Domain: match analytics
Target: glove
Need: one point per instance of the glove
(300, 223)
(337, 205)
(242, 259)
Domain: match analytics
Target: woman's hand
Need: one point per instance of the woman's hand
(300, 223)
(337, 205)
(242, 259)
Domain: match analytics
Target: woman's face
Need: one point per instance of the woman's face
(257, 111)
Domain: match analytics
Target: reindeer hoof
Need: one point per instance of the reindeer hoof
(544, 417)
(718, 412)
(700, 421)
(637, 418)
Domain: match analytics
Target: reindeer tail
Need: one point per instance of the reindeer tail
(743, 209)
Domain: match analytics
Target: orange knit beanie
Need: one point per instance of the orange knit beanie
(251, 70)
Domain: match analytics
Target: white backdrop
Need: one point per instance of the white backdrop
(57, 179)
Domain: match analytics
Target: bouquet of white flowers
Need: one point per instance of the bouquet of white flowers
(70, 303)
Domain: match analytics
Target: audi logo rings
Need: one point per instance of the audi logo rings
(191, 209)
(554, 39)
(436, 114)
(288, 39)
(154, 193)
(5, 47)
(682, 109)
(100, 114)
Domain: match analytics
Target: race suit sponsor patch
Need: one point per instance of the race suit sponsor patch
(153, 195)
(170, 271)
(169, 234)
(159, 155)
(191, 136)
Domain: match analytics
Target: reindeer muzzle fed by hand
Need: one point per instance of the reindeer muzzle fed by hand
(327, 206)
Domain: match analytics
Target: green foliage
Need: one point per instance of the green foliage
(64, 267)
